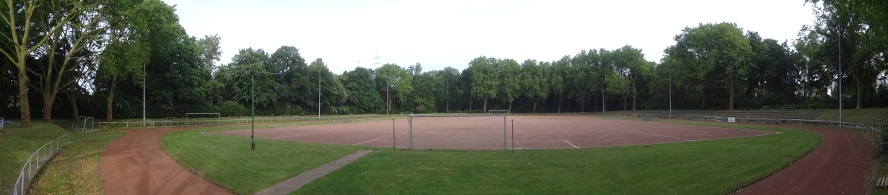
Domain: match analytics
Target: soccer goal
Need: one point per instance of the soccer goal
(498, 112)
(405, 113)
(85, 125)
(202, 119)
(457, 131)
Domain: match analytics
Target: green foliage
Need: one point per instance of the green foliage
(712, 56)
(231, 108)
(484, 80)
(363, 97)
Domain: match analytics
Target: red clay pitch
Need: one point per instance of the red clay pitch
(531, 132)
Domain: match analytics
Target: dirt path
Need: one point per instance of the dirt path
(136, 164)
(839, 165)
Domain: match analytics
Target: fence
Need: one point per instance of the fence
(230, 121)
(37, 160)
(873, 132)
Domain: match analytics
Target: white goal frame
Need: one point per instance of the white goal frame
(405, 113)
(218, 116)
(411, 116)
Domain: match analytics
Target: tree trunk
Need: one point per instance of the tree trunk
(859, 92)
(583, 106)
(560, 99)
(109, 109)
(625, 102)
(535, 102)
(73, 99)
(731, 94)
(24, 105)
(485, 106)
(634, 98)
(48, 100)
(510, 106)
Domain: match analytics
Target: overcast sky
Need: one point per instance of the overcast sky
(437, 34)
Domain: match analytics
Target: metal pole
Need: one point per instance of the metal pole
(319, 92)
(387, 103)
(670, 93)
(393, 134)
(253, 112)
(840, 75)
(144, 85)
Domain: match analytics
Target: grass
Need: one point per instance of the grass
(228, 161)
(19, 143)
(704, 167)
(75, 169)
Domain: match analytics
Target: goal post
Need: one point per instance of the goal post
(457, 131)
(193, 117)
(405, 113)
(498, 112)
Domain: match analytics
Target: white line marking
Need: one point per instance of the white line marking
(366, 141)
(565, 141)
(661, 135)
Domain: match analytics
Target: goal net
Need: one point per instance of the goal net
(457, 131)
(193, 119)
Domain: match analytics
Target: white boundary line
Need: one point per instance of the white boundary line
(359, 143)
(661, 135)
(568, 142)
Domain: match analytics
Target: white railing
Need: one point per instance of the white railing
(38, 160)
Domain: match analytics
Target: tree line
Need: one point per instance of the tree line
(95, 58)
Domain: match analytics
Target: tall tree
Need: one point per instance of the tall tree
(333, 94)
(484, 80)
(128, 48)
(560, 69)
(362, 94)
(510, 83)
(713, 51)
(452, 89)
(533, 81)
(22, 34)
(630, 65)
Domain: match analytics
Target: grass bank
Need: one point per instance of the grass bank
(75, 169)
(705, 167)
(19, 143)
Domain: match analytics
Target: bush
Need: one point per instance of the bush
(231, 108)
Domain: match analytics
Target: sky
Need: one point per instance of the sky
(351, 33)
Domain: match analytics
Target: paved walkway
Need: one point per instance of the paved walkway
(135, 163)
(295, 183)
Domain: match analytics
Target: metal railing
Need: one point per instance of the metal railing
(229, 121)
(38, 160)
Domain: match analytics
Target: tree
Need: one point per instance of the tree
(717, 52)
(333, 94)
(559, 70)
(362, 95)
(426, 87)
(484, 80)
(452, 88)
(858, 28)
(630, 65)
(533, 81)
(510, 84)
(25, 38)
(70, 42)
(291, 73)
(128, 48)
(393, 82)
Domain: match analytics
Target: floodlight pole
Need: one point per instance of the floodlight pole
(144, 85)
(840, 76)
(253, 111)
(670, 93)
(319, 93)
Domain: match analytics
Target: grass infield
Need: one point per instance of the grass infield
(703, 167)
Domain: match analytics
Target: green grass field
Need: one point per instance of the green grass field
(707, 167)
